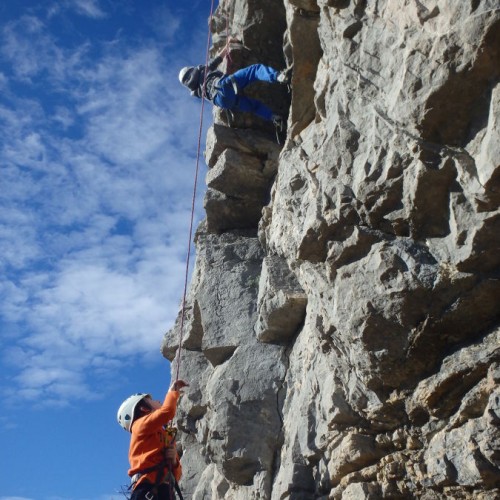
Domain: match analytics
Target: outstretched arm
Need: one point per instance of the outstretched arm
(213, 63)
(164, 414)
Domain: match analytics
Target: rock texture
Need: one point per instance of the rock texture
(341, 333)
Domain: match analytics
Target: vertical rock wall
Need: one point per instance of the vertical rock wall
(342, 329)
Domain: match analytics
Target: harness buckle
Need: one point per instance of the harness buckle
(149, 496)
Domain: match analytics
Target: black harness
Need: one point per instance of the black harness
(159, 478)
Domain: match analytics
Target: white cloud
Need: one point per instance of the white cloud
(94, 209)
(89, 8)
(165, 24)
(17, 48)
(64, 117)
(34, 52)
(15, 498)
(127, 108)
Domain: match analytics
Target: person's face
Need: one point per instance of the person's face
(155, 405)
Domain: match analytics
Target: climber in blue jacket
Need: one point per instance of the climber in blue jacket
(226, 91)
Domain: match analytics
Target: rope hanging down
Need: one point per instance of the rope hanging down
(183, 309)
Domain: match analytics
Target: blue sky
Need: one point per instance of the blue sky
(97, 157)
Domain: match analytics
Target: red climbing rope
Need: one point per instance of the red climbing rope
(188, 257)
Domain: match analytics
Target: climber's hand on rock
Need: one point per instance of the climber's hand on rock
(178, 385)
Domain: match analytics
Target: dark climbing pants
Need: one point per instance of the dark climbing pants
(227, 98)
(144, 492)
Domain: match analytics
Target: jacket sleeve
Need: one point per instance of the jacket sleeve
(157, 418)
(213, 63)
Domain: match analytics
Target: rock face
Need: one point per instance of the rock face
(342, 333)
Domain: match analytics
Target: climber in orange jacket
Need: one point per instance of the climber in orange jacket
(155, 467)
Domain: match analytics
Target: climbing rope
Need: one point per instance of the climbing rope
(197, 169)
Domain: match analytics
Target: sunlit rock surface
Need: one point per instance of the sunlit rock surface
(342, 325)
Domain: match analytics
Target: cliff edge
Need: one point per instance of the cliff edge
(342, 323)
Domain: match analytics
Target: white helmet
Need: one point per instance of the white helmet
(125, 415)
(182, 73)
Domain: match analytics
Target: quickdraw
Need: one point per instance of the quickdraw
(171, 434)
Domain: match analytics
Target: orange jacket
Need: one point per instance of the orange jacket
(148, 440)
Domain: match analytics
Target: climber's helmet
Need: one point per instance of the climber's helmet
(184, 74)
(125, 415)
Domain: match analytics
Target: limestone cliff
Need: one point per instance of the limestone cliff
(342, 325)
